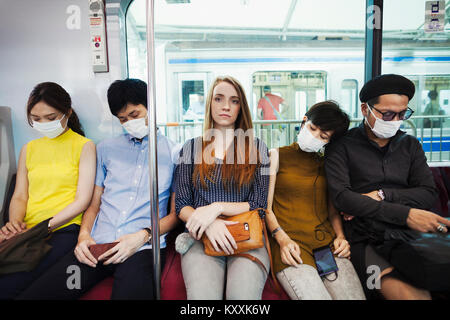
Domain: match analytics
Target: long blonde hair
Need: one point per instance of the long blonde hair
(241, 173)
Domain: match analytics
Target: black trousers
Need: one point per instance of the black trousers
(62, 242)
(133, 279)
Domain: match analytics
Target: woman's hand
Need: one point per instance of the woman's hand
(201, 219)
(220, 236)
(342, 247)
(127, 246)
(290, 252)
(82, 252)
(12, 228)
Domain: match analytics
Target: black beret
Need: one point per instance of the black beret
(386, 84)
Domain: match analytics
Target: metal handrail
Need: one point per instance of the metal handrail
(152, 150)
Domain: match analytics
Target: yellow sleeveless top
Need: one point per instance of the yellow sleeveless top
(300, 204)
(52, 166)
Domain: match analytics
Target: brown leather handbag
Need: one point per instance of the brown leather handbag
(248, 234)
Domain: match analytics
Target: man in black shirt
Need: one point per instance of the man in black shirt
(378, 176)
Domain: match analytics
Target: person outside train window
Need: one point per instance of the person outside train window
(379, 178)
(225, 179)
(301, 217)
(433, 109)
(120, 208)
(55, 179)
(271, 107)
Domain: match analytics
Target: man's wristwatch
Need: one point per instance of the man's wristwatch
(149, 231)
(381, 194)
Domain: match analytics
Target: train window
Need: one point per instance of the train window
(302, 52)
(410, 49)
(192, 96)
(349, 98)
(295, 91)
(136, 40)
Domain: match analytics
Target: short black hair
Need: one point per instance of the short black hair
(123, 92)
(327, 115)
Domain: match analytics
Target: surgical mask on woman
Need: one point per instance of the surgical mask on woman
(50, 129)
(384, 129)
(307, 142)
(137, 128)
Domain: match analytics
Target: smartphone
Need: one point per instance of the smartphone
(325, 261)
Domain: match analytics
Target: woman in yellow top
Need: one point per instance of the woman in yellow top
(55, 180)
(302, 219)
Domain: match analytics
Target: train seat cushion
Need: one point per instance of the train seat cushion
(172, 283)
(101, 291)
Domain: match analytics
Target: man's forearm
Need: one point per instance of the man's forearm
(359, 205)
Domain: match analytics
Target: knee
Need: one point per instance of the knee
(396, 289)
(303, 283)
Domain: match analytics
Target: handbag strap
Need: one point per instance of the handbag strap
(275, 285)
(275, 111)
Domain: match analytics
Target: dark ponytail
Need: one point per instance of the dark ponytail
(74, 124)
(55, 96)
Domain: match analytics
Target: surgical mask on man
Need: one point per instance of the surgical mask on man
(50, 129)
(384, 129)
(137, 127)
(307, 142)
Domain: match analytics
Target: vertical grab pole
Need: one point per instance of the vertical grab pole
(373, 39)
(152, 152)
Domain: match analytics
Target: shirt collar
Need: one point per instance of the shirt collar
(134, 139)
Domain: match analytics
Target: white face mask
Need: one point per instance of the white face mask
(137, 128)
(384, 129)
(50, 129)
(307, 142)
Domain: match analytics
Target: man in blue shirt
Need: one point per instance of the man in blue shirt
(120, 208)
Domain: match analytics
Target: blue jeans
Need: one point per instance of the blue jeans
(304, 283)
(206, 277)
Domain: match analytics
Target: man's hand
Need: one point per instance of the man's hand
(373, 194)
(127, 246)
(346, 217)
(425, 221)
(82, 252)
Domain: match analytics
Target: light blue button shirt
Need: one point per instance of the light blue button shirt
(122, 170)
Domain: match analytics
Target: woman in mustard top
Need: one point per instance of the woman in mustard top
(302, 219)
(55, 180)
